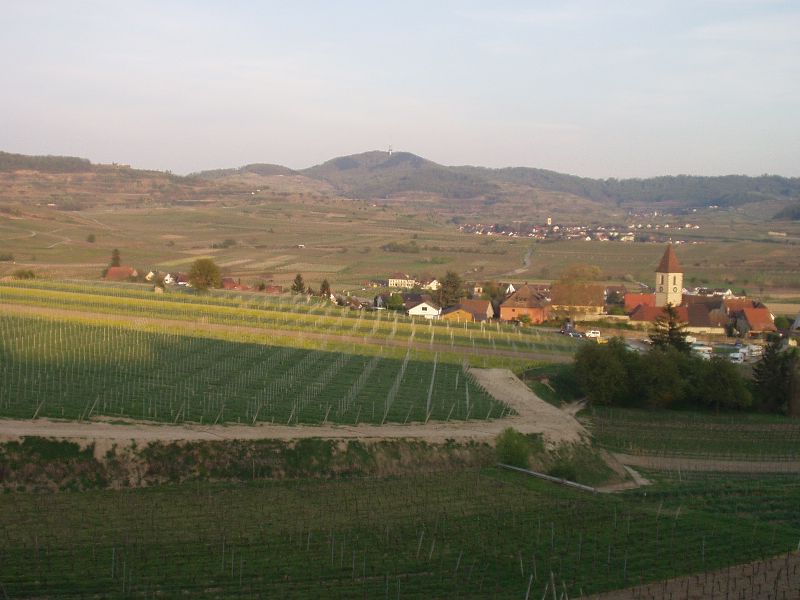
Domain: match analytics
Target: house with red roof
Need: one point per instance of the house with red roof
(121, 273)
(525, 303)
(752, 321)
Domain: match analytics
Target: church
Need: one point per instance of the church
(701, 313)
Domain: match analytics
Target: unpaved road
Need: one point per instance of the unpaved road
(535, 416)
(772, 579)
(177, 324)
(671, 463)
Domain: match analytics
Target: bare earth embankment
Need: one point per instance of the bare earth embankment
(534, 416)
(772, 579)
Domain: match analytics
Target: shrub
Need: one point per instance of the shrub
(513, 448)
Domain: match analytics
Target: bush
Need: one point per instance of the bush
(513, 448)
(24, 274)
(6, 257)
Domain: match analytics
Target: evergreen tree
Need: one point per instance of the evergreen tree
(669, 332)
(115, 258)
(770, 378)
(451, 290)
(325, 289)
(298, 285)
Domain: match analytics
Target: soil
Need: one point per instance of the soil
(772, 579)
(534, 416)
(662, 463)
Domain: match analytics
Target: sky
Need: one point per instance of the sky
(600, 88)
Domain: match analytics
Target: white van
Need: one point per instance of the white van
(593, 333)
(736, 358)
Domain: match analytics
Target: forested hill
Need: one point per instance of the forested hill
(45, 164)
(383, 174)
(689, 190)
(380, 174)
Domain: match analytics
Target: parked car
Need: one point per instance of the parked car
(736, 358)
(575, 334)
(593, 333)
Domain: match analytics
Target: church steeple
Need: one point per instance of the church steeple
(669, 279)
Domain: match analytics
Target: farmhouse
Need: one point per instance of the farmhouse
(754, 321)
(525, 303)
(469, 311)
(584, 299)
(426, 309)
(121, 273)
(402, 280)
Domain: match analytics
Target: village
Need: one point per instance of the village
(570, 304)
(644, 228)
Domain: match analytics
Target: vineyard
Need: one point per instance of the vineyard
(463, 534)
(739, 436)
(295, 317)
(70, 370)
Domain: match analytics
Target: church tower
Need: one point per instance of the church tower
(669, 279)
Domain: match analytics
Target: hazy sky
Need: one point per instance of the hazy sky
(596, 88)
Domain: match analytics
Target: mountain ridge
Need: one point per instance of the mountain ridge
(381, 174)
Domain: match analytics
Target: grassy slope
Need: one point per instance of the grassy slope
(738, 436)
(460, 533)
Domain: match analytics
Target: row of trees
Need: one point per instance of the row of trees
(299, 287)
(670, 376)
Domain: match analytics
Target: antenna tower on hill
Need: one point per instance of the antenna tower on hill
(390, 150)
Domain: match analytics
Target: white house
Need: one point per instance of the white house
(510, 289)
(430, 284)
(401, 280)
(425, 309)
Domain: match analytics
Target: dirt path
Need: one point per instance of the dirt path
(535, 416)
(177, 324)
(661, 463)
(772, 579)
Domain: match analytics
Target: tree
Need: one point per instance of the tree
(298, 285)
(604, 373)
(205, 274)
(670, 332)
(451, 290)
(91, 238)
(115, 258)
(325, 289)
(396, 302)
(719, 384)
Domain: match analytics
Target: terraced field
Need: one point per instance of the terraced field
(78, 371)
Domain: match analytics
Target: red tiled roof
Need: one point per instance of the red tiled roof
(737, 304)
(120, 273)
(526, 297)
(578, 294)
(759, 319)
(669, 262)
(651, 313)
(479, 309)
(633, 300)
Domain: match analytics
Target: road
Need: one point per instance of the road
(534, 416)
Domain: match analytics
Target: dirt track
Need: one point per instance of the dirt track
(535, 416)
(662, 463)
(773, 579)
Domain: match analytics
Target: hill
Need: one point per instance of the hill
(381, 175)
(256, 169)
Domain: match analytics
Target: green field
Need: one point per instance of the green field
(293, 319)
(77, 371)
(739, 436)
(465, 534)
